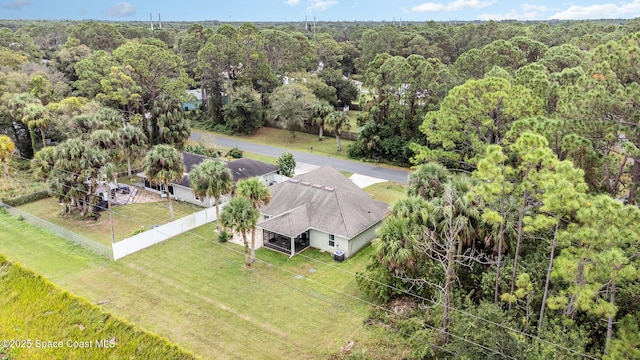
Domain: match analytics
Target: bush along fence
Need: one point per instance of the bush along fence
(25, 199)
(83, 241)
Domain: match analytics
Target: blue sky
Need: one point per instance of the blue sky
(328, 10)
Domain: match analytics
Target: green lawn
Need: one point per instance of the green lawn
(353, 119)
(126, 218)
(301, 142)
(387, 191)
(35, 311)
(196, 292)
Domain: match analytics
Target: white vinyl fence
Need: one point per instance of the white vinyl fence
(92, 245)
(163, 232)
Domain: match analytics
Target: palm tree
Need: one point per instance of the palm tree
(134, 143)
(38, 116)
(338, 122)
(240, 216)
(6, 149)
(43, 162)
(320, 112)
(398, 246)
(162, 165)
(110, 142)
(428, 180)
(211, 178)
(259, 195)
(17, 106)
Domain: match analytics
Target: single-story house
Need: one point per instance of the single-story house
(240, 169)
(322, 209)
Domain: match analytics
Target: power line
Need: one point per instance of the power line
(342, 307)
(406, 293)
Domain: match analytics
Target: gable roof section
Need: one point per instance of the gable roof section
(241, 168)
(332, 178)
(247, 168)
(191, 160)
(291, 223)
(329, 210)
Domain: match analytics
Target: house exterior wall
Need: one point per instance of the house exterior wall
(361, 240)
(186, 194)
(320, 240)
(268, 179)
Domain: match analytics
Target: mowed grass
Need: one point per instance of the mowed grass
(126, 218)
(388, 191)
(36, 313)
(197, 293)
(301, 141)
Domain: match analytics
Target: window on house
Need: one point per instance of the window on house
(332, 240)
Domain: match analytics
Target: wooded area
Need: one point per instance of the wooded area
(520, 234)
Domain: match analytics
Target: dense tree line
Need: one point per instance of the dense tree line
(521, 210)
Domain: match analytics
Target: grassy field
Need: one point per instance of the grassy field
(36, 312)
(196, 292)
(126, 219)
(353, 119)
(387, 191)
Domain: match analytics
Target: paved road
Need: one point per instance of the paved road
(356, 167)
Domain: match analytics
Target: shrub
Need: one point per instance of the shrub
(138, 231)
(286, 164)
(202, 150)
(224, 236)
(21, 200)
(235, 153)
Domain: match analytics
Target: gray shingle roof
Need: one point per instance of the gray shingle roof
(292, 223)
(247, 168)
(330, 177)
(241, 168)
(333, 210)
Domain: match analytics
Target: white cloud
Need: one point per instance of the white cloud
(16, 4)
(600, 11)
(292, 2)
(526, 12)
(320, 4)
(121, 9)
(452, 5)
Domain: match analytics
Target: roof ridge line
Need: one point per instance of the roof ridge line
(346, 231)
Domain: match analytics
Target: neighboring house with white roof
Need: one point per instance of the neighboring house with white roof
(322, 209)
